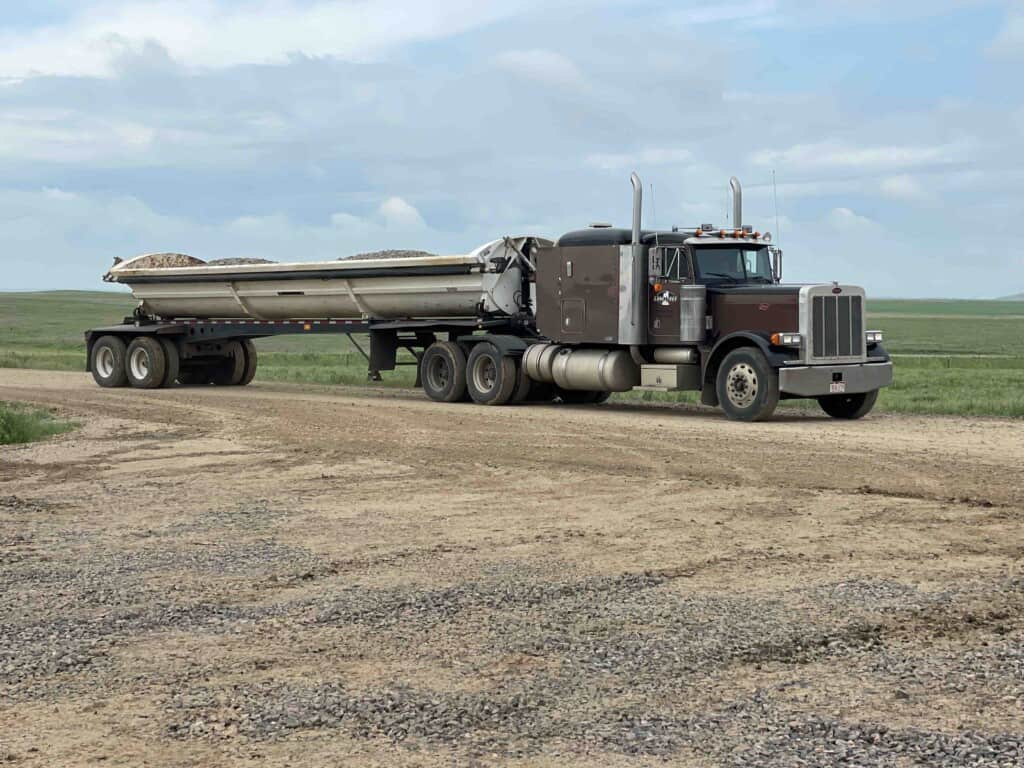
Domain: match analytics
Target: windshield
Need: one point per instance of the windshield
(732, 265)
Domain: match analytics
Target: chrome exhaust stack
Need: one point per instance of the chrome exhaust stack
(638, 203)
(737, 202)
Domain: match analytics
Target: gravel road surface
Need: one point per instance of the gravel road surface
(279, 575)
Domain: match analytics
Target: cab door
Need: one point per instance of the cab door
(669, 270)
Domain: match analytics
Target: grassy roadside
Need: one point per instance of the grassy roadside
(951, 357)
(22, 424)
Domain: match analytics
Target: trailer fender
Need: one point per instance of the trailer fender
(513, 346)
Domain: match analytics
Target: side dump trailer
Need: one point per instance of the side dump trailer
(524, 318)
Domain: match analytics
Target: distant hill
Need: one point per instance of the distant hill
(1015, 297)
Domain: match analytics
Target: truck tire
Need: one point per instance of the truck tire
(524, 384)
(443, 372)
(855, 406)
(108, 362)
(173, 362)
(748, 388)
(251, 361)
(491, 377)
(145, 363)
(230, 371)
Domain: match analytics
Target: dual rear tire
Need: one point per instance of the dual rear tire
(487, 376)
(149, 362)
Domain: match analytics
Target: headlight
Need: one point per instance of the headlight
(787, 339)
(873, 337)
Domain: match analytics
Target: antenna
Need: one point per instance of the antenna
(775, 195)
(654, 209)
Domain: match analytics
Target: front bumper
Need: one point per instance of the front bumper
(817, 380)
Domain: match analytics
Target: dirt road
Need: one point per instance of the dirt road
(279, 576)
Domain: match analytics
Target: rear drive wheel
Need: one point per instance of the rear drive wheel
(251, 359)
(230, 371)
(173, 362)
(853, 406)
(107, 363)
(146, 363)
(524, 384)
(491, 377)
(748, 388)
(443, 372)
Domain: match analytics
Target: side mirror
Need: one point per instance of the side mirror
(777, 264)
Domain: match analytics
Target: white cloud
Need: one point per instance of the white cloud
(833, 155)
(1009, 42)
(652, 156)
(204, 33)
(903, 187)
(845, 221)
(63, 135)
(398, 213)
(547, 67)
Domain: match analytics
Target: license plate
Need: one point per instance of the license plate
(837, 387)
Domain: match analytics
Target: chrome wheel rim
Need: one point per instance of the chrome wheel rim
(438, 374)
(485, 373)
(741, 385)
(138, 362)
(105, 362)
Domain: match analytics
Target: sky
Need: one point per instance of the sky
(313, 129)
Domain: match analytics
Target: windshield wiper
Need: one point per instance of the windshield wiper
(733, 278)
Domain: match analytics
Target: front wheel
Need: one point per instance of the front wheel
(854, 406)
(748, 388)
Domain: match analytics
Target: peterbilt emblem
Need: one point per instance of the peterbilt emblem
(836, 289)
(763, 307)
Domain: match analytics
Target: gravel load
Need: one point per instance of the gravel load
(238, 262)
(389, 254)
(166, 261)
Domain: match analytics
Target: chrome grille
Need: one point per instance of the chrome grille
(837, 326)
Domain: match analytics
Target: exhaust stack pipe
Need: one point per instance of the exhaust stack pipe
(638, 202)
(737, 202)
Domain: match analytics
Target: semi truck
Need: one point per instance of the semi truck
(523, 319)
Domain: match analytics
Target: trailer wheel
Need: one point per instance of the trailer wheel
(251, 359)
(146, 363)
(173, 359)
(490, 376)
(848, 406)
(108, 362)
(230, 371)
(443, 372)
(748, 388)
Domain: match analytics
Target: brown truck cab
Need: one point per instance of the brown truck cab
(700, 309)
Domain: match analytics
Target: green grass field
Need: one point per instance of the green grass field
(952, 357)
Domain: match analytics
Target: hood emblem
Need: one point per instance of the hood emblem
(763, 307)
(835, 288)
